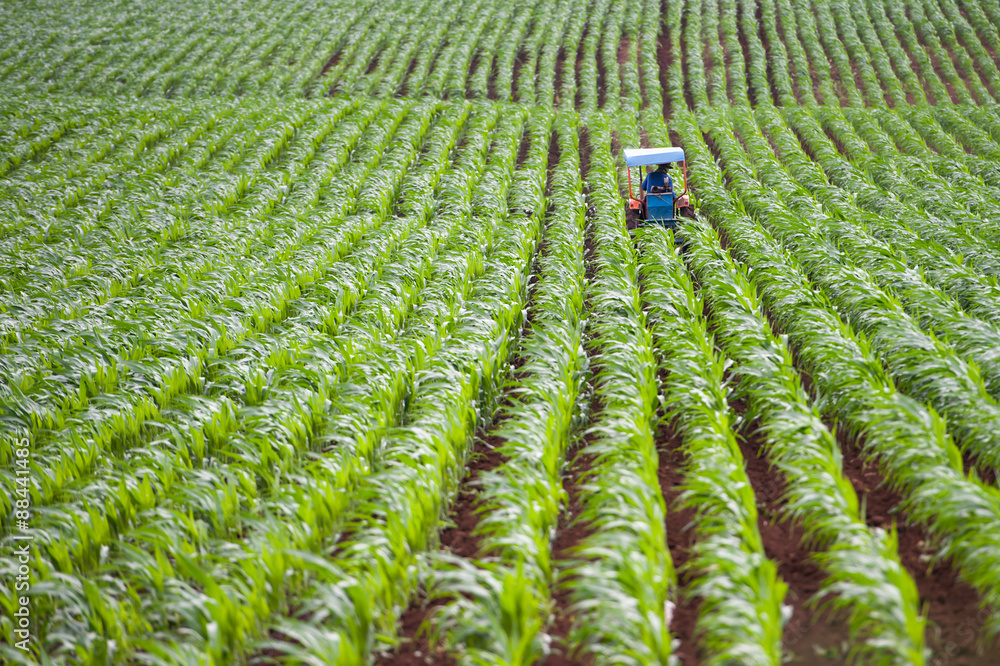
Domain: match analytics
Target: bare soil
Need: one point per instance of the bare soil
(934, 63)
(519, 62)
(459, 539)
(663, 61)
(688, 96)
(404, 90)
(491, 85)
(953, 616)
(570, 533)
(560, 66)
(808, 633)
(680, 539)
(640, 54)
(331, 63)
(602, 77)
(796, 85)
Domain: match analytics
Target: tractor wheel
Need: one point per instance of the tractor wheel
(687, 211)
(633, 218)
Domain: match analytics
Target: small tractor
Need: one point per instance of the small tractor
(660, 205)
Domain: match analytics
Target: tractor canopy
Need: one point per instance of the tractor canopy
(645, 156)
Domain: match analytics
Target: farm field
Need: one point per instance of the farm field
(325, 339)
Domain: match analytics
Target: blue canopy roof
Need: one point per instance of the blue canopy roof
(643, 156)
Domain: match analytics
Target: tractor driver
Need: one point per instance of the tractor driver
(659, 181)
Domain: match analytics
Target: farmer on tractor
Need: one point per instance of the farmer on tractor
(657, 202)
(658, 181)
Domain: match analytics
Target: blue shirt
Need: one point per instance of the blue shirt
(657, 179)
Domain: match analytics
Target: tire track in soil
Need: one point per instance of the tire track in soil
(809, 632)
(953, 607)
(557, 83)
(685, 68)
(680, 539)
(460, 539)
(624, 42)
(569, 534)
(664, 47)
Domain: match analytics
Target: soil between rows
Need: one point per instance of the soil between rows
(812, 637)
(680, 539)
(952, 606)
(459, 539)
(569, 534)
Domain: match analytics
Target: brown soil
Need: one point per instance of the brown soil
(707, 54)
(577, 67)
(745, 50)
(404, 89)
(523, 149)
(987, 475)
(373, 64)
(688, 96)
(415, 649)
(331, 63)
(560, 66)
(623, 60)
(663, 49)
(985, 43)
(726, 58)
(835, 75)
(459, 539)
(472, 68)
(780, 31)
(519, 62)
(916, 69)
(963, 43)
(958, 70)
(569, 535)
(640, 54)
(602, 77)
(491, 88)
(623, 45)
(953, 607)
(554, 156)
(680, 539)
(934, 63)
(808, 633)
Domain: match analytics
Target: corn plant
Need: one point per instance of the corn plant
(908, 440)
(863, 568)
(621, 577)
